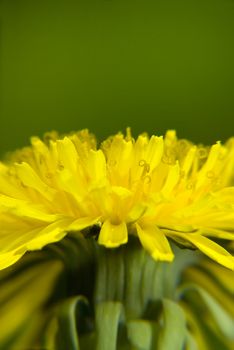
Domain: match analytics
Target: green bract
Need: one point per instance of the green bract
(76, 294)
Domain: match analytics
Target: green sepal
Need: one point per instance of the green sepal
(108, 316)
(62, 330)
(140, 334)
(173, 330)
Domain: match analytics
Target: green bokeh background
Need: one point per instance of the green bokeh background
(105, 65)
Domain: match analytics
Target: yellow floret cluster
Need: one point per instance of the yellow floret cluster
(153, 187)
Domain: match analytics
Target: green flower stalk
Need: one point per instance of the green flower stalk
(105, 227)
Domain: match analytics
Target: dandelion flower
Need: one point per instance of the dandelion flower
(154, 187)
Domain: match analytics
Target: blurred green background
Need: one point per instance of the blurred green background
(105, 65)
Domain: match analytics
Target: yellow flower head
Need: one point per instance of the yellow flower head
(155, 187)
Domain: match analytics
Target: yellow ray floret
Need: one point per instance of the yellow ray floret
(153, 187)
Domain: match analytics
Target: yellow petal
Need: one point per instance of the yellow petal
(136, 212)
(83, 223)
(210, 248)
(209, 164)
(155, 242)
(189, 159)
(95, 166)
(154, 151)
(121, 192)
(172, 179)
(33, 239)
(9, 258)
(49, 234)
(67, 154)
(23, 209)
(112, 235)
(29, 178)
(217, 233)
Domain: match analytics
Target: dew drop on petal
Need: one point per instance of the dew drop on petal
(147, 167)
(189, 186)
(22, 184)
(49, 175)
(142, 163)
(202, 153)
(147, 179)
(210, 174)
(112, 162)
(165, 160)
(60, 166)
(182, 174)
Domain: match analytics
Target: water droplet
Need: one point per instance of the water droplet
(210, 174)
(142, 163)
(147, 179)
(49, 175)
(147, 167)
(189, 186)
(168, 160)
(217, 182)
(112, 162)
(22, 184)
(60, 166)
(182, 174)
(182, 144)
(165, 160)
(202, 153)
